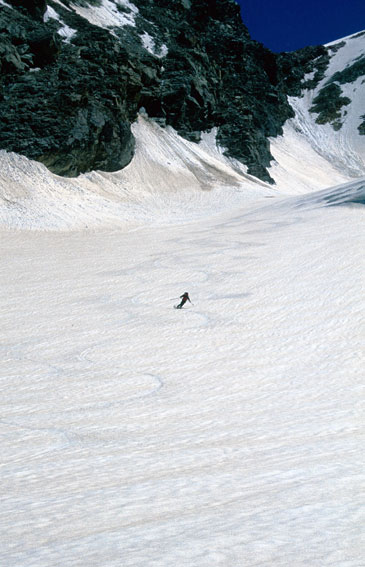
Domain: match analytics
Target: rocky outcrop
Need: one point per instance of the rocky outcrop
(361, 127)
(70, 88)
(328, 104)
(293, 68)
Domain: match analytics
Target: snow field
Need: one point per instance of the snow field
(226, 434)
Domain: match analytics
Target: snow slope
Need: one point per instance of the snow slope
(343, 149)
(227, 434)
(169, 180)
(224, 434)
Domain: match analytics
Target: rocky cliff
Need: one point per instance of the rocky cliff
(74, 75)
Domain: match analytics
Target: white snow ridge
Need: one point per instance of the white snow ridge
(224, 434)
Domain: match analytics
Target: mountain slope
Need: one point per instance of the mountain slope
(332, 115)
(102, 66)
(169, 179)
(75, 74)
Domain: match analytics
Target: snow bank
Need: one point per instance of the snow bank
(169, 180)
(299, 167)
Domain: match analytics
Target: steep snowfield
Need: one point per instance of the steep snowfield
(344, 149)
(225, 434)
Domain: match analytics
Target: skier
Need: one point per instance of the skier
(184, 298)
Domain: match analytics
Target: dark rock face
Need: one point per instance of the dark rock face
(361, 127)
(214, 75)
(34, 8)
(70, 102)
(69, 106)
(294, 66)
(328, 104)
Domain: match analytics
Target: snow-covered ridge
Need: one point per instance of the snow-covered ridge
(343, 195)
(352, 193)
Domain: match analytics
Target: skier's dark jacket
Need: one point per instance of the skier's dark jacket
(184, 298)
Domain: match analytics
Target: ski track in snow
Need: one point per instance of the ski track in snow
(225, 434)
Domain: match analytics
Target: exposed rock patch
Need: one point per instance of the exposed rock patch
(351, 73)
(361, 127)
(328, 104)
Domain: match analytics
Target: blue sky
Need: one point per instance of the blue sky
(285, 25)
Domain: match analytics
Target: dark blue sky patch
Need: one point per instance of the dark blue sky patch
(285, 25)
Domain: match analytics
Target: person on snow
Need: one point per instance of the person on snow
(184, 298)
